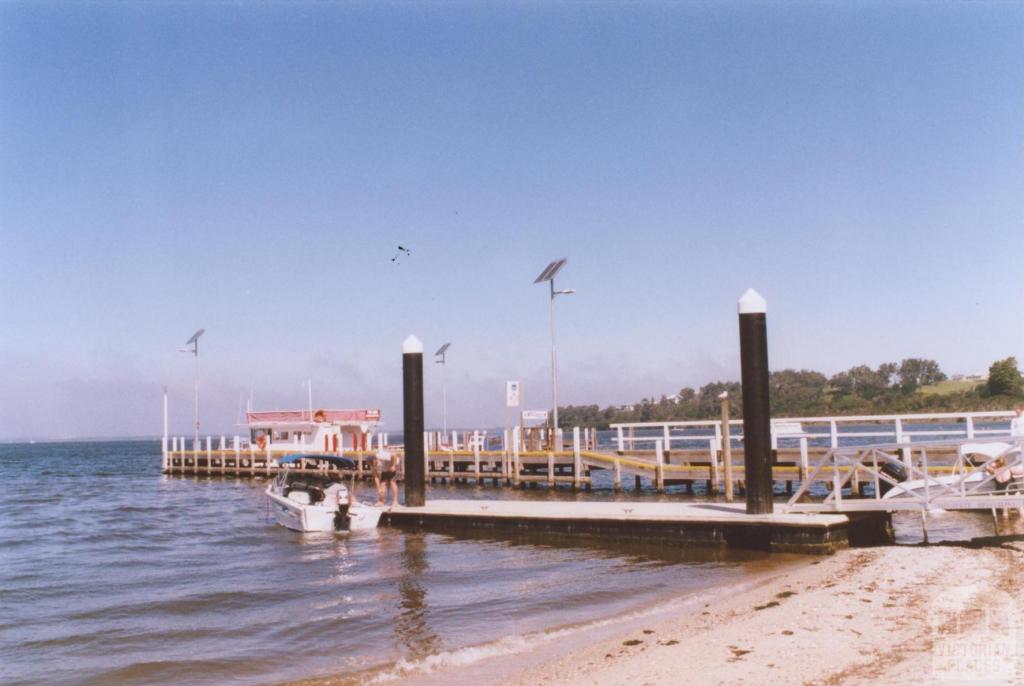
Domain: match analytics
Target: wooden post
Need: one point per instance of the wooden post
(665, 437)
(726, 450)
(713, 449)
(426, 456)
(622, 448)
(837, 491)
(412, 422)
(757, 433)
(506, 449)
(803, 459)
(164, 459)
(617, 476)
(515, 459)
(551, 469)
(659, 465)
(577, 462)
(476, 456)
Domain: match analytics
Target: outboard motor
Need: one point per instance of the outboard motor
(894, 470)
(341, 517)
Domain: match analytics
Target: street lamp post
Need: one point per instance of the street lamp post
(442, 353)
(549, 275)
(194, 342)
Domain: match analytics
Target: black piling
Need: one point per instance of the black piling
(757, 432)
(412, 422)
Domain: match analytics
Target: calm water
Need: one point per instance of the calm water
(113, 573)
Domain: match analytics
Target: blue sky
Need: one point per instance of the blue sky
(251, 168)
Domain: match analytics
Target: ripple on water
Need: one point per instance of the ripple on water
(113, 573)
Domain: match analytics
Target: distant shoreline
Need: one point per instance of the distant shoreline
(75, 439)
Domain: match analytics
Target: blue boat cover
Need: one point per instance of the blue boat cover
(336, 460)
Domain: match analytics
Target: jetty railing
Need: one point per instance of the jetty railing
(996, 481)
(899, 428)
(518, 457)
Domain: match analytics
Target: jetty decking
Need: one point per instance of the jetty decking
(674, 523)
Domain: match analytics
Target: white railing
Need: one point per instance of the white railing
(898, 428)
(996, 481)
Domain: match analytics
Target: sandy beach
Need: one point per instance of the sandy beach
(908, 615)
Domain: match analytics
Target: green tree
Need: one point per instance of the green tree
(1004, 378)
(863, 381)
(796, 392)
(709, 404)
(915, 372)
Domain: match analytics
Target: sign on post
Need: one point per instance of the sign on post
(512, 394)
(535, 415)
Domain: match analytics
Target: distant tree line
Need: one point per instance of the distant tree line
(890, 389)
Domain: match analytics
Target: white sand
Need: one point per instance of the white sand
(907, 615)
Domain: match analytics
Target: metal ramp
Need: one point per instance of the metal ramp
(986, 474)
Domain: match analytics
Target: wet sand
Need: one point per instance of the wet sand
(908, 615)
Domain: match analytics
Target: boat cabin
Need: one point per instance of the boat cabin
(328, 431)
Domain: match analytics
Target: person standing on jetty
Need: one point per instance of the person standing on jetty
(385, 473)
(1017, 423)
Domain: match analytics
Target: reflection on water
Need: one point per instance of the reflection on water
(411, 627)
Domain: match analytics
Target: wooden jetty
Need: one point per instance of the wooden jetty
(252, 463)
(652, 453)
(573, 468)
(673, 523)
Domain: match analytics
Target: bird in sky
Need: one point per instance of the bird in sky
(401, 251)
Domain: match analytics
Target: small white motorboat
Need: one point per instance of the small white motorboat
(302, 501)
(1004, 473)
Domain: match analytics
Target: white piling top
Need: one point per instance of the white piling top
(412, 345)
(752, 303)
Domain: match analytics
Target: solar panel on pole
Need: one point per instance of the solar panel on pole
(549, 272)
